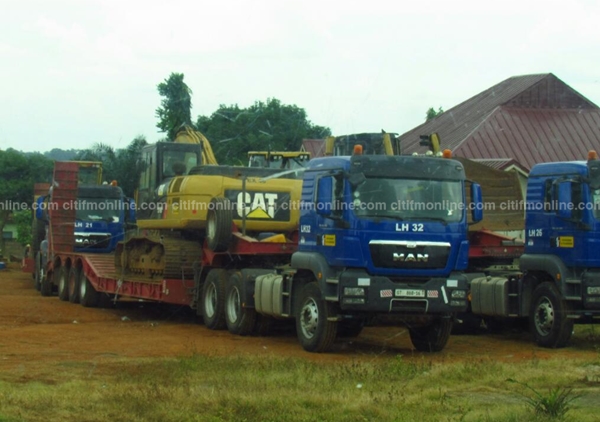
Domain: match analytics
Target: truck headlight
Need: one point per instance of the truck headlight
(593, 290)
(459, 294)
(354, 291)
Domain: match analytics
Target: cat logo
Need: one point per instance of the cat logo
(258, 205)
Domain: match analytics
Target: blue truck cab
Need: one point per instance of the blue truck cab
(560, 264)
(103, 215)
(386, 236)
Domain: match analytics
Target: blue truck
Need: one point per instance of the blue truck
(103, 214)
(368, 253)
(558, 282)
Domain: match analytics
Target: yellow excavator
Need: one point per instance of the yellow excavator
(185, 199)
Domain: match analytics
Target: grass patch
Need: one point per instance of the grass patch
(209, 388)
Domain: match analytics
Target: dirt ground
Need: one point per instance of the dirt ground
(37, 333)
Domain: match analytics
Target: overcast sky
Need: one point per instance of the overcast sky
(78, 72)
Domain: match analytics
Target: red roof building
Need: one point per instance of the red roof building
(521, 121)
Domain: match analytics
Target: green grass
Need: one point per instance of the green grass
(208, 388)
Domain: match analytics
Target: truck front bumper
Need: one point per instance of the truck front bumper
(359, 291)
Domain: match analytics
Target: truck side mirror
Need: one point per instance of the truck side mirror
(565, 204)
(325, 196)
(476, 203)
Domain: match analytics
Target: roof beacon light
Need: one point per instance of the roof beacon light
(592, 155)
(358, 149)
(447, 153)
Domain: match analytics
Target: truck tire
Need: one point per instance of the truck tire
(38, 233)
(74, 277)
(548, 320)
(63, 283)
(315, 332)
(39, 272)
(213, 299)
(432, 337)
(88, 296)
(219, 219)
(46, 284)
(239, 319)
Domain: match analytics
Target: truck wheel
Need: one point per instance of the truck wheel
(63, 283)
(74, 276)
(315, 332)
(213, 299)
(432, 337)
(38, 234)
(39, 272)
(219, 219)
(46, 284)
(88, 296)
(240, 320)
(548, 317)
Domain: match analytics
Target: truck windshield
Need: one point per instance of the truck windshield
(98, 209)
(409, 199)
(596, 202)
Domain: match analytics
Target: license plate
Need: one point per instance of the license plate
(410, 293)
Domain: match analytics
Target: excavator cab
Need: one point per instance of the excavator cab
(372, 144)
(161, 162)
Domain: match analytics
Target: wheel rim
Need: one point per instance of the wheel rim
(72, 283)
(233, 305)
(544, 316)
(210, 302)
(211, 227)
(82, 288)
(62, 283)
(309, 318)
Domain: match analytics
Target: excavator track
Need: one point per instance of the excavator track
(164, 257)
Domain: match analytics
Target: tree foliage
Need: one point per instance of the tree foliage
(233, 131)
(432, 114)
(122, 165)
(18, 173)
(175, 107)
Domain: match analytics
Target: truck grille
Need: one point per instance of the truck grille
(92, 241)
(409, 255)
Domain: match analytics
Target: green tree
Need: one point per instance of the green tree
(18, 173)
(122, 165)
(233, 131)
(432, 114)
(176, 105)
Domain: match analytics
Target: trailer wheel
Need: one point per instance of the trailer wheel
(46, 284)
(315, 332)
(74, 277)
(240, 320)
(219, 219)
(88, 296)
(39, 272)
(213, 299)
(63, 283)
(431, 337)
(38, 234)
(548, 317)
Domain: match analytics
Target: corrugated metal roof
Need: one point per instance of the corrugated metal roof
(530, 118)
(542, 91)
(498, 163)
(534, 136)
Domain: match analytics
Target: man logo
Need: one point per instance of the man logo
(400, 257)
